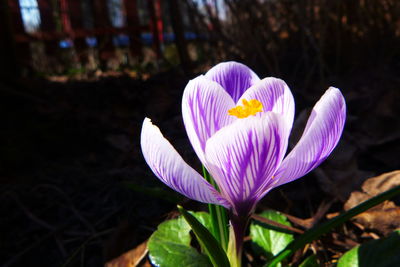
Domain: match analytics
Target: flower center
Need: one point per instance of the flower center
(250, 107)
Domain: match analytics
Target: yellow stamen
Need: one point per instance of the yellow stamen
(251, 107)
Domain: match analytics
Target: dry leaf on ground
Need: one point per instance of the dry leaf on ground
(131, 258)
(385, 217)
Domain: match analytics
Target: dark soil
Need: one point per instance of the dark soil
(76, 191)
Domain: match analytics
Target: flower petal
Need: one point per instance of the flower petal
(323, 130)
(234, 77)
(171, 169)
(205, 106)
(242, 157)
(275, 96)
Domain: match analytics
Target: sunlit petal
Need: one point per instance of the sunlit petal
(171, 169)
(323, 130)
(205, 106)
(275, 96)
(243, 157)
(234, 77)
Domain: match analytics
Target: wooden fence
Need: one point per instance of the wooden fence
(71, 19)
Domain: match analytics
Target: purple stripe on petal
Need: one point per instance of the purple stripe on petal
(205, 106)
(234, 77)
(171, 169)
(275, 96)
(321, 135)
(243, 156)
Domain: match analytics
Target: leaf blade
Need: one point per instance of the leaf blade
(169, 246)
(265, 238)
(213, 249)
(319, 230)
(383, 252)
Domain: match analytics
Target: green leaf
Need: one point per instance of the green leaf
(265, 238)
(213, 249)
(202, 217)
(310, 261)
(384, 252)
(327, 226)
(169, 245)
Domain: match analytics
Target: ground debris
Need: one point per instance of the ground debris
(385, 217)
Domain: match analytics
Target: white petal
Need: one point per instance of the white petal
(205, 106)
(233, 76)
(243, 157)
(275, 96)
(171, 169)
(322, 133)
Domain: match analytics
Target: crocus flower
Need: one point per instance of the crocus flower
(239, 127)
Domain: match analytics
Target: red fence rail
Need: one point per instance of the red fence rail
(71, 20)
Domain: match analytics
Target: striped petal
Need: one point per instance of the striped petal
(171, 169)
(243, 157)
(275, 96)
(323, 130)
(205, 106)
(234, 77)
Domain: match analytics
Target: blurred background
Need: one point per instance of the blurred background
(77, 79)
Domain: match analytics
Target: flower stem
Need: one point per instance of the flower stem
(237, 233)
(219, 217)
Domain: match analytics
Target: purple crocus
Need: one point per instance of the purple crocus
(239, 127)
